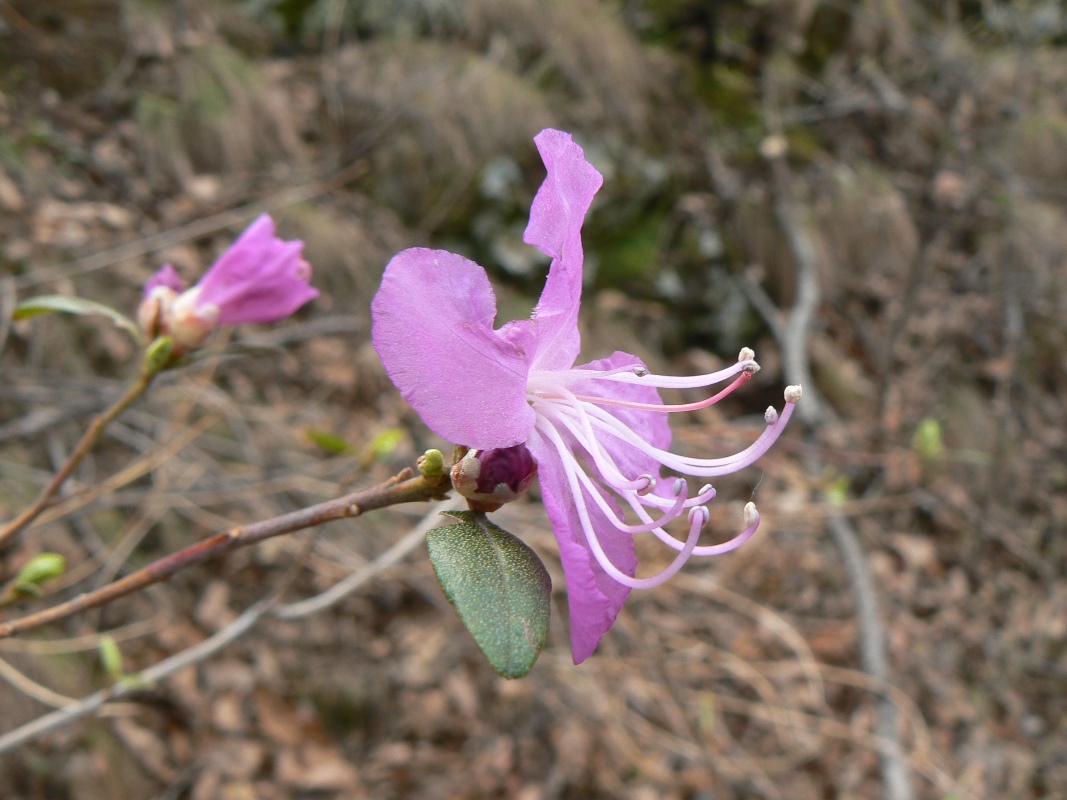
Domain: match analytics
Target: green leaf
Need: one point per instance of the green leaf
(74, 305)
(498, 586)
(42, 567)
(330, 442)
(837, 490)
(111, 657)
(383, 445)
(927, 439)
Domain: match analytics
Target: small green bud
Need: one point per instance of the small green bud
(432, 464)
(927, 439)
(111, 657)
(42, 567)
(158, 355)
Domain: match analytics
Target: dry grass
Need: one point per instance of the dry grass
(443, 114)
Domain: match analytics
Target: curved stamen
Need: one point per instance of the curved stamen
(681, 491)
(681, 382)
(603, 461)
(584, 420)
(740, 380)
(697, 518)
(549, 378)
(751, 518)
(703, 467)
(640, 375)
(605, 465)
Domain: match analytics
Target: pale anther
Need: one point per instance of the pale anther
(750, 514)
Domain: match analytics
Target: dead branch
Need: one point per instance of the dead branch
(240, 626)
(401, 488)
(793, 336)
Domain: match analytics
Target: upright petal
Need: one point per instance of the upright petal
(433, 329)
(593, 596)
(555, 228)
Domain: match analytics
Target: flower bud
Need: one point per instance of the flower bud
(190, 322)
(491, 478)
(154, 310)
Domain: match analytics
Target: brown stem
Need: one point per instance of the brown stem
(399, 489)
(92, 435)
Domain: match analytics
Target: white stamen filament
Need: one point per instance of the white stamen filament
(702, 467)
(697, 517)
(569, 421)
(663, 408)
(681, 493)
(609, 471)
(548, 380)
(751, 517)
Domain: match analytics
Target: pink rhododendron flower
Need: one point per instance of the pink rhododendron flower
(260, 278)
(597, 432)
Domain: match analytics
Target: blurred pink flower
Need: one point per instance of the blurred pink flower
(260, 278)
(598, 432)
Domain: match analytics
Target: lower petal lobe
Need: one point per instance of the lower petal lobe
(594, 597)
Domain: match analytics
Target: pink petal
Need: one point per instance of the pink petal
(260, 278)
(167, 277)
(594, 597)
(555, 228)
(433, 329)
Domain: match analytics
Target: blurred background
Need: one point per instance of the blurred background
(906, 158)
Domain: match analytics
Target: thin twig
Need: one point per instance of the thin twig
(763, 304)
(205, 649)
(341, 590)
(796, 364)
(30, 687)
(873, 655)
(796, 329)
(83, 497)
(57, 719)
(399, 489)
(88, 440)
